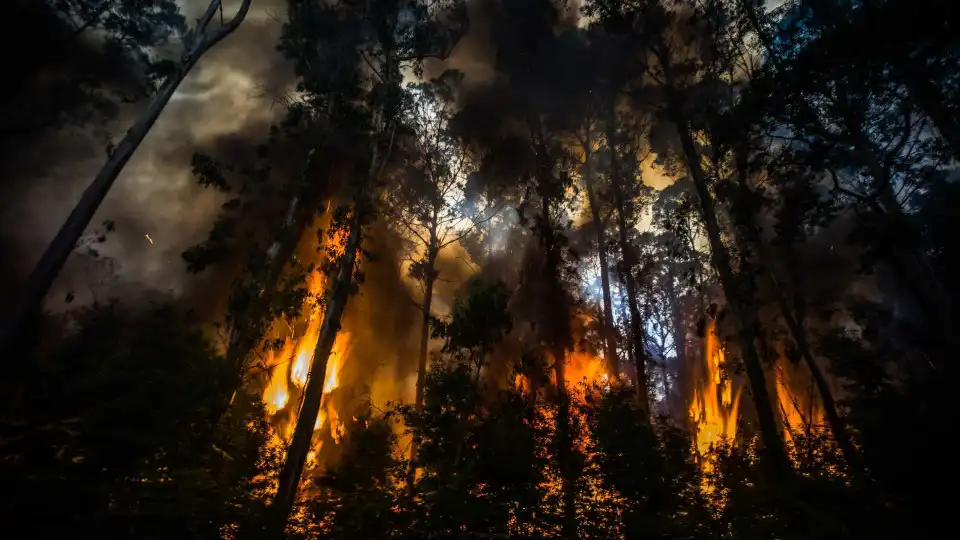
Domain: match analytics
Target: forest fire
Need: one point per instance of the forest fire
(583, 367)
(715, 405)
(290, 364)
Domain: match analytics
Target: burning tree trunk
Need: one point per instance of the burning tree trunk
(609, 340)
(732, 287)
(38, 284)
(628, 260)
(246, 331)
(289, 479)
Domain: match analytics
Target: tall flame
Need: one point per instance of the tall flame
(715, 407)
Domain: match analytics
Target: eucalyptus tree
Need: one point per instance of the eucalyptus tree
(685, 63)
(374, 42)
(431, 205)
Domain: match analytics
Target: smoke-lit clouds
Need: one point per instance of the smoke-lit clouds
(224, 108)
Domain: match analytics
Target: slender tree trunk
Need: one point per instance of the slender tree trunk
(631, 358)
(568, 473)
(432, 251)
(746, 324)
(30, 300)
(837, 425)
(289, 479)
(609, 341)
(628, 262)
(424, 341)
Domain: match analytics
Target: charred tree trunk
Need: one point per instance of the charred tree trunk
(627, 264)
(289, 479)
(745, 319)
(555, 330)
(609, 340)
(30, 301)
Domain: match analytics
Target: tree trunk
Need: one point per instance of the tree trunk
(568, 473)
(424, 340)
(432, 251)
(30, 301)
(626, 251)
(631, 359)
(609, 341)
(746, 325)
(289, 479)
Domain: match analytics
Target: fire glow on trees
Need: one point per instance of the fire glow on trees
(290, 365)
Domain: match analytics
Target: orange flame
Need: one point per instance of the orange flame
(715, 407)
(798, 412)
(581, 367)
(292, 363)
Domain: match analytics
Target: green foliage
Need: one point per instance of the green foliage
(477, 323)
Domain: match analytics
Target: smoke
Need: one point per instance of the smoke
(223, 108)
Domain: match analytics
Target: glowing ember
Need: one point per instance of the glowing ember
(715, 406)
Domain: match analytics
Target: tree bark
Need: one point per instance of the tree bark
(628, 262)
(289, 479)
(30, 300)
(609, 341)
(746, 324)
